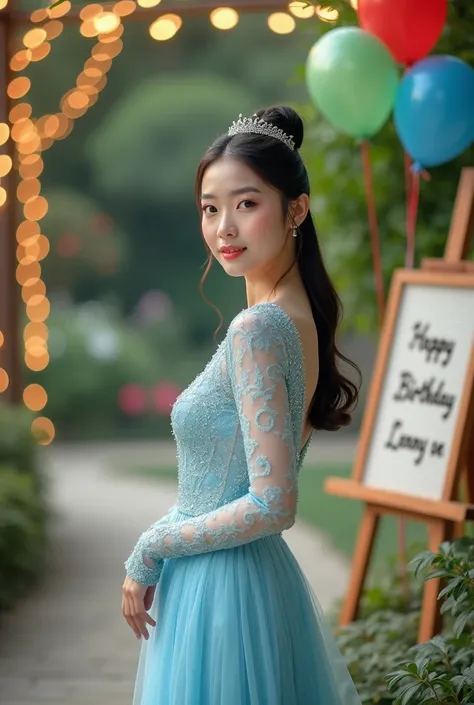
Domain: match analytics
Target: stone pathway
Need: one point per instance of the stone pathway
(67, 643)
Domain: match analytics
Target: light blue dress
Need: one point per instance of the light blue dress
(237, 623)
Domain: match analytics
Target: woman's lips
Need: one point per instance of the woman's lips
(233, 254)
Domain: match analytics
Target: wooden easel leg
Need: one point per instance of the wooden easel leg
(470, 467)
(466, 483)
(430, 622)
(360, 564)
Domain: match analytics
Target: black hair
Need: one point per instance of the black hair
(284, 170)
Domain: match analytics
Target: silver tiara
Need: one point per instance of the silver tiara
(258, 126)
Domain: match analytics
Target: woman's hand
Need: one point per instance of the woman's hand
(136, 601)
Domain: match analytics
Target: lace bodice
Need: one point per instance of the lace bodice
(238, 428)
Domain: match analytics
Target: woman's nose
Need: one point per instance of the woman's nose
(226, 228)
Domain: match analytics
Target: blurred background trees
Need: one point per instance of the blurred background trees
(128, 328)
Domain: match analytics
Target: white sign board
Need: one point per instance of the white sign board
(424, 379)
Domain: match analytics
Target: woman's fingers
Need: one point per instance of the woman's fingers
(141, 616)
(127, 613)
(136, 616)
(149, 597)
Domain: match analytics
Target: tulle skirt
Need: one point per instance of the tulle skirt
(240, 626)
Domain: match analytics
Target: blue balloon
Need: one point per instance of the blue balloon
(434, 110)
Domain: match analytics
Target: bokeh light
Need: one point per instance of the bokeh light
(41, 52)
(165, 27)
(36, 289)
(38, 308)
(34, 37)
(35, 397)
(18, 87)
(164, 396)
(39, 15)
(35, 330)
(6, 165)
(4, 380)
(123, 8)
(281, 23)
(28, 189)
(36, 209)
(224, 18)
(53, 29)
(20, 112)
(148, 3)
(106, 22)
(43, 430)
(26, 230)
(301, 9)
(20, 60)
(90, 11)
(27, 275)
(132, 400)
(60, 10)
(4, 132)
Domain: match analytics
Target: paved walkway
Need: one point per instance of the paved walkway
(67, 643)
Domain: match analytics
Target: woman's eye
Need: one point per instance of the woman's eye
(205, 208)
(247, 203)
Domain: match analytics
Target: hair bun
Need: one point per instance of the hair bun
(286, 119)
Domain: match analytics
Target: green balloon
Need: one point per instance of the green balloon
(352, 79)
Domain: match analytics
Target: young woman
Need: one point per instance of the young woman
(234, 620)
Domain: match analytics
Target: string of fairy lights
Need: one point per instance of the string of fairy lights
(33, 136)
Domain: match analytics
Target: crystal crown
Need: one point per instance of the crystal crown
(259, 126)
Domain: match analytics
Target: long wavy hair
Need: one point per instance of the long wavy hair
(283, 169)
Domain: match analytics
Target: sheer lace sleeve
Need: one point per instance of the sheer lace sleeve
(257, 364)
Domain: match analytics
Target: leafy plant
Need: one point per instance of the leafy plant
(17, 444)
(23, 534)
(389, 591)
(24, 513)
(441, 670)
(375, 645)
(378, 641)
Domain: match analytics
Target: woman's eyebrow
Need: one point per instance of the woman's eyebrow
(236, 192)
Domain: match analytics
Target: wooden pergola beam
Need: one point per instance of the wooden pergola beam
(10, 354)
(179, 8)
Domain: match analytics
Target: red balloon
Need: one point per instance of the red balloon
(409, 28)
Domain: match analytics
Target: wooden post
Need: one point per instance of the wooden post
(10, 353)
(461, 231)
(430, 619)
(360, 563)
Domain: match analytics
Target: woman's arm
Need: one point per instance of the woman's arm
(257, 364)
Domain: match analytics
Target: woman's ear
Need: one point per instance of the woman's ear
(299, 209)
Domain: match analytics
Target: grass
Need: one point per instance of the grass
(337, 517)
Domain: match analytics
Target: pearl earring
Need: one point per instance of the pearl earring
(294, 232)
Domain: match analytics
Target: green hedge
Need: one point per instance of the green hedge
(23, 508)
(380, 648)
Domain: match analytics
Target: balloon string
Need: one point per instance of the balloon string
(411, 220)
(374, 230)
(408, 178)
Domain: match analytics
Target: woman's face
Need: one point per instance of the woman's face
(239, 210)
